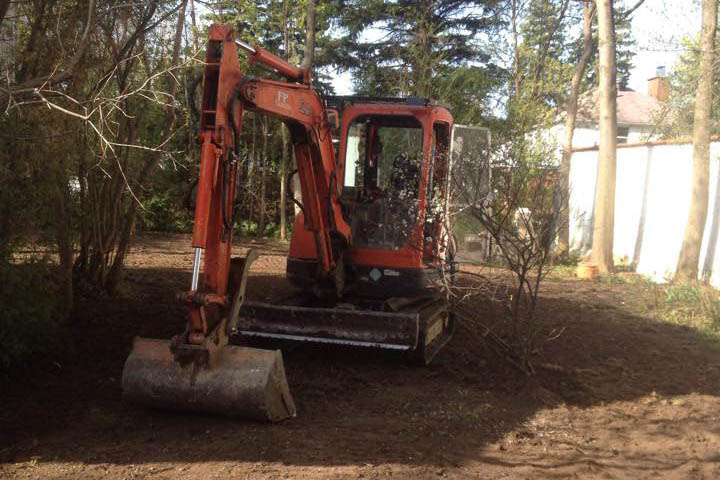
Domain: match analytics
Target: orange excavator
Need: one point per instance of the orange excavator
(369, 247)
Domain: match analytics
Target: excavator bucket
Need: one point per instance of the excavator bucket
(236, 381)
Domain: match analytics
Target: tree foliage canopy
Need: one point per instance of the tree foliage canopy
(100, 100)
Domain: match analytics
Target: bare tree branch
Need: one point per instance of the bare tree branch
(631, 10)
(61, 75)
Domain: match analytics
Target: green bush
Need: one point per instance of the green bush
(246, 228)
(28, 317)
(684, 292)
(163, 213)
(272, 230)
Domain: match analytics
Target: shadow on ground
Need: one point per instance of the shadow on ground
(364, 409)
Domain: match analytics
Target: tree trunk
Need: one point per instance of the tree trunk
(63, 237)
(309, 58)
(251, 170)
(29, 63)
(4, 6)
(283, 128)
(297, 188)
(603, 229)
(687, 266)
(196, 43)
(283, 182)
(570, 118)
(516, 51)
(83, 214)
(123, 246)
(539, 77)
(422, 57)
(262, 207)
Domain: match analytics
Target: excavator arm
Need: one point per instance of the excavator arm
(227, 94)
(303, 111)
(199, 369)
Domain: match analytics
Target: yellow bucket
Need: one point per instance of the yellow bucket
(586, 271)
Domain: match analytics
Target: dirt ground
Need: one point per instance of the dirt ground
(631, 398)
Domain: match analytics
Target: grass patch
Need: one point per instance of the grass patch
(694, 305)
(563, 270)
(688, 304)
(691, 305)
(614, 278)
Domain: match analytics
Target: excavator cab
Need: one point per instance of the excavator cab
(381, 180)
(392, 177)
(393, 174)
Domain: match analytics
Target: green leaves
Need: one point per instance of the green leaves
(408, 48)
(28, 318)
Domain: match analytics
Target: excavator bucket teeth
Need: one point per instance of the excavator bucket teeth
(237, 382)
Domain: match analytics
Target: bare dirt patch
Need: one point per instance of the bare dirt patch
(620, 396)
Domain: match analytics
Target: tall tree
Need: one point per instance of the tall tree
(515, 34)
(401, 47)
(284, 159)
(570, 118)
(604, 218)
(624, 45)
(543, 53)
(263, 164)
(545, 50)
(309, 59)
(150, 162)
(687, 267)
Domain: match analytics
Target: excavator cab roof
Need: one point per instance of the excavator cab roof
(340, 101)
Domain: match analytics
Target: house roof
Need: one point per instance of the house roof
(633, 108)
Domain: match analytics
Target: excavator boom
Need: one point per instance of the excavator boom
(199, 370)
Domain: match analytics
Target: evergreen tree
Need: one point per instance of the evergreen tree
(402, 47)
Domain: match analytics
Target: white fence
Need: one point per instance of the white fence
(651, 205)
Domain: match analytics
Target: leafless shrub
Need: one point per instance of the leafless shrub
(118, 101)
(519, 213)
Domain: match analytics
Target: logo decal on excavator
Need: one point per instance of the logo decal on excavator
(281, 100)
(304, 109)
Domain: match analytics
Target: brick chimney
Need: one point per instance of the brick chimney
(658, 85)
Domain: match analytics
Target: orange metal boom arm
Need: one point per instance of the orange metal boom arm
(304, 113)
(226, 93)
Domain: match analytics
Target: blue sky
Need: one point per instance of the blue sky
(659, 27)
